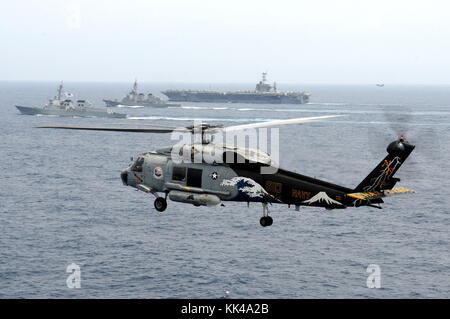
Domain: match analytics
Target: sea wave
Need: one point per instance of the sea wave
(131, 106)
(205, 119)
(326, 103)
(190, 107)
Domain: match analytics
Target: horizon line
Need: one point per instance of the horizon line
(226, 83)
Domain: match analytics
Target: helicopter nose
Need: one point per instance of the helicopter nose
(124, 177)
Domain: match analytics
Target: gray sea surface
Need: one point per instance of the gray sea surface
(62, 202)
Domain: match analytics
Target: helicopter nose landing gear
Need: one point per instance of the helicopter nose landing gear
(160, 204)
(266, 220)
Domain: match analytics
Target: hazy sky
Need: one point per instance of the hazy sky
(317, 41)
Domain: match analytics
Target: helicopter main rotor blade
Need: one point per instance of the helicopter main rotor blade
(117, 129)
(301, 120)
(207, 129)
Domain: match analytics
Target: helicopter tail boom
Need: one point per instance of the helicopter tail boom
(382, 177)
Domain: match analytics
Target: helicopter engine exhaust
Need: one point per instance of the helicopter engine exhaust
(194, 199)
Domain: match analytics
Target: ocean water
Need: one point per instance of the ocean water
(62, 202)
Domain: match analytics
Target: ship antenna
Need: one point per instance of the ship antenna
(60, 88)
(135, 85)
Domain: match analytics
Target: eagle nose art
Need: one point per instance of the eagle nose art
(124, 177)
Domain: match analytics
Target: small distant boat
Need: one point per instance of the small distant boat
(380, 85)
(134, 98)
(68, 108)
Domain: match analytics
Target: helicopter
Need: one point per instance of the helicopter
(237, 174)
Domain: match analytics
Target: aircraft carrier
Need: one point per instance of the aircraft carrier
(264, 93)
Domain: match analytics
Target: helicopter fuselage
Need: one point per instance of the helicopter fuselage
(155, 173)
(206, 184)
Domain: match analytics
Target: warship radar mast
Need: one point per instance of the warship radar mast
(263, 87)
(60, 90)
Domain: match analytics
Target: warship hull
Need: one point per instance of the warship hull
(88, 112)
(110, 103)
(236, 97)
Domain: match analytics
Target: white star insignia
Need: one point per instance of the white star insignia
(214, 175)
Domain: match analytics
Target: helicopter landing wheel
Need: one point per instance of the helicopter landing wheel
(266, 221)
(160, 204)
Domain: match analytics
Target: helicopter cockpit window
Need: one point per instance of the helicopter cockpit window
(137, 166)
(179, 173)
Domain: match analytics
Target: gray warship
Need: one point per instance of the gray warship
(134, 98)
(66, 107)
(264, 93)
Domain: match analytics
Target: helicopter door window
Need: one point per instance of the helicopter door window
(137, 166)
(194, 177)
(179, 174)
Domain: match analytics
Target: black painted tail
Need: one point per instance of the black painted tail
(382, 177)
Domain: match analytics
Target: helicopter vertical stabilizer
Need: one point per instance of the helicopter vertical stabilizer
(382, 177)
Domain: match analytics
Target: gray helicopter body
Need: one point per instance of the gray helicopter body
(239, 178)
(207, 174)
(201, 184)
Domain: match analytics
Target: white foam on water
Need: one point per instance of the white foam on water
(194, 107)
(190, 107)
(248, 109)
(131, 106)
(197, 119)
(327, 103)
